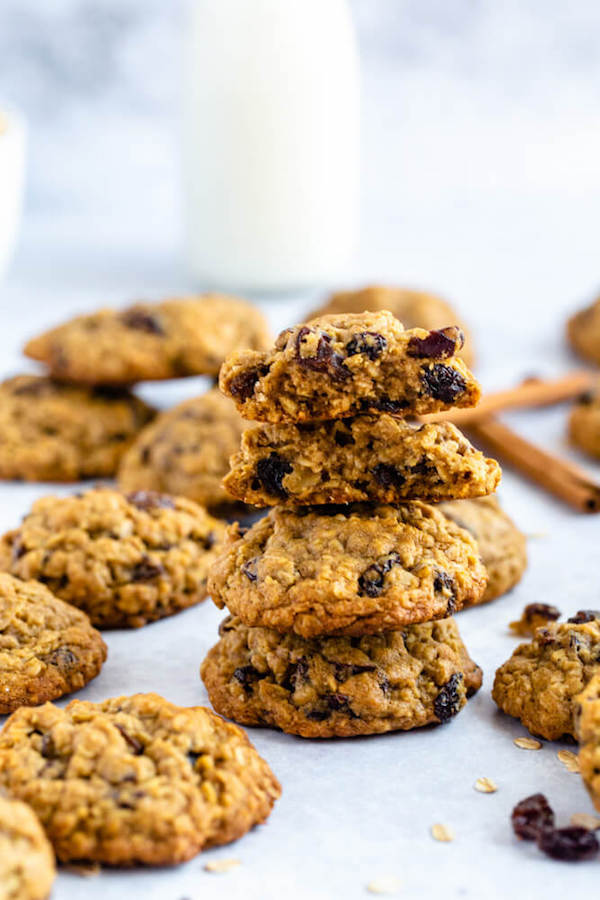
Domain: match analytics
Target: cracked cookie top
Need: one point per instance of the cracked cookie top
(147, 341)
(135, 780)
(366, 458)
(343, 365)
(347, 569)
(340, 686)
(125, 559)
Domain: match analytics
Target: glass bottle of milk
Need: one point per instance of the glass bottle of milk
(271, 142)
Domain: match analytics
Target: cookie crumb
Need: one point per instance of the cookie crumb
(569, 761)
(387, 885)
(84, 870)
(485, 786)
(442, 833)
(525, 743)
(585, 820)
(221, 865)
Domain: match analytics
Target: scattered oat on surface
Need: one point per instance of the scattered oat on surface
(442, 833)
(569, 761)
(585, 820)
(485, 786)
(387, 885)
(221, 865)
(525, 743)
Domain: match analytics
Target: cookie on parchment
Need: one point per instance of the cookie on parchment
(340, 686)
(415, 309)
(48, 648)
(502, 546)
(27, 866)
(135, 780)
(348, 570)
(147, 341)
(345, 365)
(125, 559)
(365, 458)
(540, 681)
(51, 431)
(186, 451)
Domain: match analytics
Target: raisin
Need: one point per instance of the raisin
(423, 468)
(295, 674)
(146, 570)
(270, 471)
(532, 816)
(443, 382)
(18, 549)
(371, 343)
(140, 320)
(386, 404)
(448, 701)
(241, 386)
(388, 476)
(338, 702)
(193, 758)
(439, 344)
(586, 399)
(535, 611)
(147, 500)
(136, 746)
(210, 540)
(343, 438)
(584, 615)
(247, 676)
(371, 581)
(250, 569)
(62, 658)
(443, 582)
(48, 749)
(344, 671)
(325, 359)
(228, 624)
(34, 388)
(318, 715)
(570, 844)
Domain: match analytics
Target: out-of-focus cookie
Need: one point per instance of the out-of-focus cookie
(124, 559)
(47, 647)
(347, 570)
(583, 332)
(587, 728)
(415, 309)
(540, 681)
(377, 459)
(584, 422)
(347, 365)
(340, 686)
(51, 431)
(186, 451)
(502, 546)
(27, 866)
(148, 341)
(135, 780)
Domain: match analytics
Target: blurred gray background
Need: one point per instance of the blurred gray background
(480, 144)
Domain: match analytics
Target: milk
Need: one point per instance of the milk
(271, 134)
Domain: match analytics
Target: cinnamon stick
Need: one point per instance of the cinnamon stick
(562, 478)
(531, 392)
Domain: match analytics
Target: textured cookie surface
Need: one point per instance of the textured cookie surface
(415, 309)
(539, 682)
(340, 686)
(186, 451)
(502, 546)
(584, 422)
(366, 458)
(57, 432)
(124, 559)
(347, 569)
(47, 648)
(587, 728)
(583, 331)
(27, 866)
(187, 336)
(135, 779)
(339, 366)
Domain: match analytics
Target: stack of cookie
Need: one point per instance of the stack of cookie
(342, 595)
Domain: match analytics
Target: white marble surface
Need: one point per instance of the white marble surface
(480, 180)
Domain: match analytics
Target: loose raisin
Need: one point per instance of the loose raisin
(532, 816)
(443, 382)
(448, 702)
(270, 471)
(569, 844)
(370, 343)
(438, 344)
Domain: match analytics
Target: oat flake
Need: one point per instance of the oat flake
(485, 786)
(442, 833)
(525, 743)
(388, 885)
(569, 761)
(221, 865)
(585, 820)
